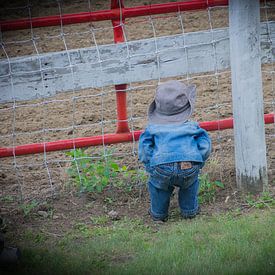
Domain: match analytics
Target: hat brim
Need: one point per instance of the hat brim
(158, 118)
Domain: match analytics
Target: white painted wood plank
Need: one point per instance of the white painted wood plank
(248, 112)
(120, 63)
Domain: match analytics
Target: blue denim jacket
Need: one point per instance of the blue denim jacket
(168, 143)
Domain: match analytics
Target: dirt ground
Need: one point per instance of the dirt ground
(44, 178)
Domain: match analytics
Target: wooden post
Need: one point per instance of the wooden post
(249, 132)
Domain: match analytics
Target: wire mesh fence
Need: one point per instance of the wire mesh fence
(92, 111)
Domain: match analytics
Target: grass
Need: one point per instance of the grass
(207, 245)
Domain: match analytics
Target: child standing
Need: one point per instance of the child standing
(173, 150)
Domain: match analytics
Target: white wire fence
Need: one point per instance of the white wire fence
(84, 112)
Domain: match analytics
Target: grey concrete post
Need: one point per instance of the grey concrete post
(249, 132)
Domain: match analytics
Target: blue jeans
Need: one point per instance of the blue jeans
(162, 181)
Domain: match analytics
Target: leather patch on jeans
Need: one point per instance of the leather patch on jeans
(185, 165)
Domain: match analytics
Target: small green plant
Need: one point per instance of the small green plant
(208, 188)
(109, 200)
(139, 175)
(7, 198)
(29, 207)
(31, 235)
(99, 220)
(264, 200)
(90, 176)
(82, 228)
(94, 175)
(131, 178)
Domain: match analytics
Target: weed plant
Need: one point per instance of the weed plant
(208, 188)
(28, 207)
(91, 175)
(264, 200)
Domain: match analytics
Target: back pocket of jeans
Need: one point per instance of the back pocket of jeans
(164, 170)
(160, 177)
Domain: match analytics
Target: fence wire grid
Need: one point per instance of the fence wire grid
(92, 111)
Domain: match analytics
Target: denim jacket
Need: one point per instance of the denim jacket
(167, 143)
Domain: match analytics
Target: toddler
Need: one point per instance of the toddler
(173, 150)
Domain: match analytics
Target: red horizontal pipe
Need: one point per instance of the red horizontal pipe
(113, 14)
(106, 139)
(172, 7)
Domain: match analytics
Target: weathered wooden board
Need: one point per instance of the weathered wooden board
(32, 77)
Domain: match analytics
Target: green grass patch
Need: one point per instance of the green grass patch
(206, 245)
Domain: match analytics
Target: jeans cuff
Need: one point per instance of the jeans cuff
(190, 213)
(155, 216)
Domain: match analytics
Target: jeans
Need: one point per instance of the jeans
(162, 181)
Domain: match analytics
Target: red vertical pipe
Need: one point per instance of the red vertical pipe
(121, 103)
(121, 96)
